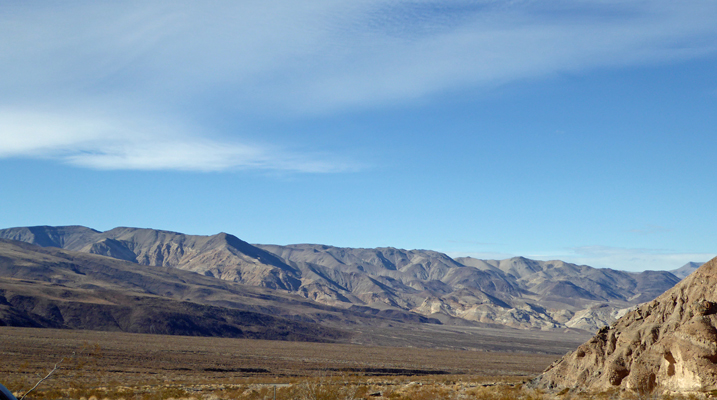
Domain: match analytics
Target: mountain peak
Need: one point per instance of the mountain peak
(686, 269)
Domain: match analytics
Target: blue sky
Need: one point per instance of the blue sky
(573, 130)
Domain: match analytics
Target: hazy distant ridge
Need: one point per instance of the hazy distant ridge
(686, 269)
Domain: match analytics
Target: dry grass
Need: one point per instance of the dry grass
(120, 366)
(337, 389)
(133, 359)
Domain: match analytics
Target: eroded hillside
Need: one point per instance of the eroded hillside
(516, 292)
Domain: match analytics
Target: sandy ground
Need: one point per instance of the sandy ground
(106, 361)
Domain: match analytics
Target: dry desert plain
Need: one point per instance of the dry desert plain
(112, 365)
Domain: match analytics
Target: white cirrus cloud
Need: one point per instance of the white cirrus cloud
(169, 64)
(331, 55)
(106, 143)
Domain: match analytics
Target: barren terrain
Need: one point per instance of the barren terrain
(417, 285)
(106, 362)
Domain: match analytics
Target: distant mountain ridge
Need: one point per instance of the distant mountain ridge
(516, 292)
(222, 256)
(55, 288)
(687, 269)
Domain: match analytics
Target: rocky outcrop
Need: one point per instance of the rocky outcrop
(597, 316)
(666, 345)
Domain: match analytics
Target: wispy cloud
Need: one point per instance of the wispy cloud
(167, 63)
(397, 51)
(104, 143)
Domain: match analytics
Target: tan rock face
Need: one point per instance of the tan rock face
(668, 344)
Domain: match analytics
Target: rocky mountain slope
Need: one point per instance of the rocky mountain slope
(666, 345)
(517, 292)
(55, 288)
(222, 256)
(49, 287)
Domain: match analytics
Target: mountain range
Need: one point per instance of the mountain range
(325, 283)
(56, 288)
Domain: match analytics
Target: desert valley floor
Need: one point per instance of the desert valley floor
(145, 314)
(124, 365)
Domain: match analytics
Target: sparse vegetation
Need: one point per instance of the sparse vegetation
(338, 388)
(118, 366)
